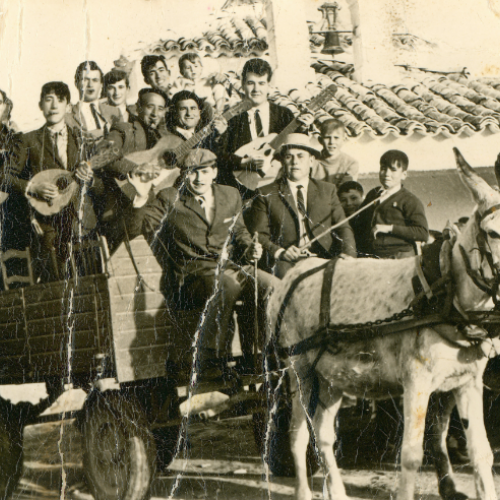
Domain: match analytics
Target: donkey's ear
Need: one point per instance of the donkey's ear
(480, 189)
(451, 232)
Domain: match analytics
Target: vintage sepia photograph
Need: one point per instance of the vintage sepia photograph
(249, 249)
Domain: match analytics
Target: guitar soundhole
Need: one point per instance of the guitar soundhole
(62, 183)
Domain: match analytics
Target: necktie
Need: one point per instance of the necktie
(258, 124)
(95, 115)
(301, 205)
(201, 201)
(60, 152)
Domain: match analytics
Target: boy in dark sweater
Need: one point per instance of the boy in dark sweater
(394, 225)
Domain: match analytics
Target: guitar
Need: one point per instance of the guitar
(66, 182)
(264, 147)
(171, 149)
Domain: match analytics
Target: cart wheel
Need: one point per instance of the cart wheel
(119, 449)
(11, 449)
(278, 455)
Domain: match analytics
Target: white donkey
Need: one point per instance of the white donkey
(414, 362)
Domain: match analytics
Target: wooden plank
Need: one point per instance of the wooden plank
(64, 321)
(11, 314)
(12, 331)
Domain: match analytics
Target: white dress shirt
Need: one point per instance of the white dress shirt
(264, 112)
(88, 116)
(187, 134)
(207, 202)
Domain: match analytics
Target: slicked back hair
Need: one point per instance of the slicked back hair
(258, 67)
(60, 89)
(395, 157)
(86, 66)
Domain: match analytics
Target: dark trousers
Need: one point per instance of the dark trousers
(218, 295)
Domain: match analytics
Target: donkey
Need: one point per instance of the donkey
(414, 363)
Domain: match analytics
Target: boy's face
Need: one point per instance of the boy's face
(332, 142)
(191, 70)
(117, 93)
(297, 163)
(158, 76)
(256, 88)
(53, 108)
(152, 109)
(350, 200)
(201, 179)
(90, 86)
(391, 175)
(188, 113)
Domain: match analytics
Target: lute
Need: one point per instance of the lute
(66, 182)
(265, 147)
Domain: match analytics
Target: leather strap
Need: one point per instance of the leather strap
(326, 293)
(421, 277)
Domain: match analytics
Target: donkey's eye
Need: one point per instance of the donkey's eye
(494, 235)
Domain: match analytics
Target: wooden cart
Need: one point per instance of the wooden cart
(108, 326)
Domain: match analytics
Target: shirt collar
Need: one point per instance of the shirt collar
(390, 192)
(295, 184)
(263, 109)
(58, 128)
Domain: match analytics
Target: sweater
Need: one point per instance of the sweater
(405, 212)
(337, 170)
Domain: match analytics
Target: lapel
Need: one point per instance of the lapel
(48, 153)
(78, 116)
(73, 151)
(312, 201)
(191, 204)
(244, 127)
(287, 198)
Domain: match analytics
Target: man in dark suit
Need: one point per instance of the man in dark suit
(262, 119)
(54, 146)
(138, 134)
(293, 210)
(201, 234)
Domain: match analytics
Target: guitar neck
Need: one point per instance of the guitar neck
(280, 138)
(190, 143)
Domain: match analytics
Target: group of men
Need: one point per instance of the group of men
(209, 228)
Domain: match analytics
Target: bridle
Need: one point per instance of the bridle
(489, 286)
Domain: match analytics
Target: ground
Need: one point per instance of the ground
(224, 464)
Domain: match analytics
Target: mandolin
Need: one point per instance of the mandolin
(265, 147)
(66, 182)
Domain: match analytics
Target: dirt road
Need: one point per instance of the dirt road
(223, 464)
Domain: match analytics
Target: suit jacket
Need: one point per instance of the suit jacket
(112, 114)
(238, 134)
(192, 244)
(36, 153)
(76, 119)
(275, 216)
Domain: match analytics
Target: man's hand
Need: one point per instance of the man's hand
(45, 190)
(293, 254)
(252, 164)
(84, 173)
(142, 187)
(381, 228)
(254, 251)
(220, 124)
(306, 119)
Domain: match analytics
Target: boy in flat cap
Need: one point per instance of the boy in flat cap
(201, 228)
(294, 209)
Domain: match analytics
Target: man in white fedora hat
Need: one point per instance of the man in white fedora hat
(294, 209)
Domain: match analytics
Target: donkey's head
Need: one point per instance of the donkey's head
(479, 243)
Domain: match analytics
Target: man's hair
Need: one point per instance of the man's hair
(184, 95)
(345, 187)
(395, 157)
(86, 66)
(150, 90)
(60, 89)
(191, 57)
(149, 62)
(115, 76)
(328, 126)
(258, 67)
(8, 106)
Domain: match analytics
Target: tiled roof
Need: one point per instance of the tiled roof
(436, 104)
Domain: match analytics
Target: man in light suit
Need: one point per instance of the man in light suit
(200, 232)
(87, 114)
(294, 209)
(262, 119)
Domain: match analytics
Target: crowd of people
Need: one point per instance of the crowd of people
(207, 228)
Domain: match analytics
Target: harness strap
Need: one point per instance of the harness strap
(326, 293)
(490, 211)
(420, 273)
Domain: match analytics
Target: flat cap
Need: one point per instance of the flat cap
(198, 158)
